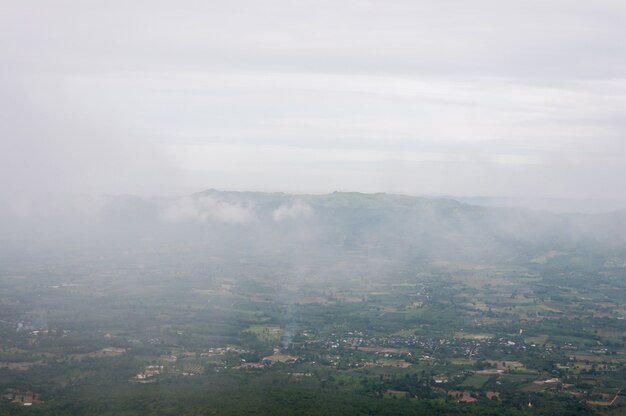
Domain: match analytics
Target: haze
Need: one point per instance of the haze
(486, 98)
(306, 207)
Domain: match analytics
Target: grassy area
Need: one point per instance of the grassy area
(517, 378)
(468, 335)
(267, 333)
(462, 361)
(539, 339)
(476, 381)
(408, 332)
(395, 394)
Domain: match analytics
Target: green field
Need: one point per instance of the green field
(476, 381)
(266, 333)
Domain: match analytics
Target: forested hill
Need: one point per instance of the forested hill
(380, 224)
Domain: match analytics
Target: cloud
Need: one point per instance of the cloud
(206, 209)
(298, 209)
(438, 96)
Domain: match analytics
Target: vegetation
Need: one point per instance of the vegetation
(242, 329)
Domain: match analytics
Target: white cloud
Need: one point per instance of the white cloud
(298, 209)
(205, 209)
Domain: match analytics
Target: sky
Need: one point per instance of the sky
(431, 97)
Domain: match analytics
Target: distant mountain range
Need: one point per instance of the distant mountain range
(557, 205)
(373, 224)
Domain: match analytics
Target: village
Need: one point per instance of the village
(514, 339)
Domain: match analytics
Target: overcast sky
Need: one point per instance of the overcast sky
(499, 98)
